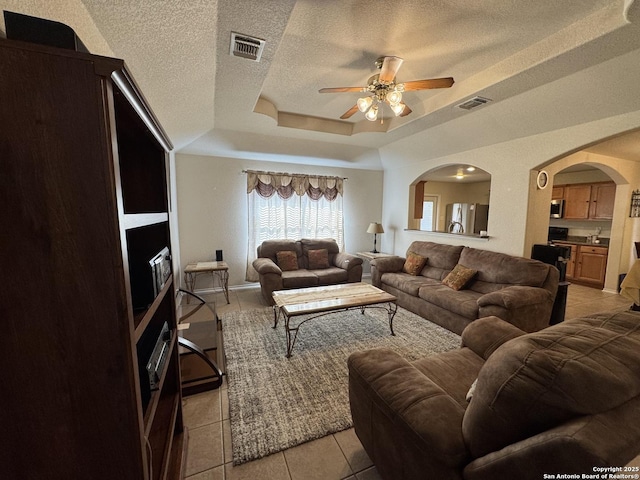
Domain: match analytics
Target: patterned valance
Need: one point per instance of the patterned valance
(286, 184)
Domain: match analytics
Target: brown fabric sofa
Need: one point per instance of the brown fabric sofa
(516, 289)
(341, 268)
(565, 400)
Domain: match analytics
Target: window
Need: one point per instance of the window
(429, 213)
(284, 206)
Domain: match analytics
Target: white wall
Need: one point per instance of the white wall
(212, 207)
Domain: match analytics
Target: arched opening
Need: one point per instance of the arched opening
(450, 199)
(595, 186)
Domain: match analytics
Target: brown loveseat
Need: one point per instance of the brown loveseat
(564, 400)
(339, 267)
(516, 289)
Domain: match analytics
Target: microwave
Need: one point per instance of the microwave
(557, 209)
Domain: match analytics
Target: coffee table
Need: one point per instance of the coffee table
(326, 300)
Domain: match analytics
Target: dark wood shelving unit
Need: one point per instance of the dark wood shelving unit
(84, 209)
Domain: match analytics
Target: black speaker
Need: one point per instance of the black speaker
(218, 255)
(42, 31)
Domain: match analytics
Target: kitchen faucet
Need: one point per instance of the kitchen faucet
(456, 226)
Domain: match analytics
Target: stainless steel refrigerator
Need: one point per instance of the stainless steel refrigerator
(467, 218)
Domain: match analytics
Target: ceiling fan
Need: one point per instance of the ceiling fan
(384, 89)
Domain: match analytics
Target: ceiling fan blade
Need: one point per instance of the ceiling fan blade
(427, 84)
(390, 67)
(350, 112)
(340, 89)
(406, 111)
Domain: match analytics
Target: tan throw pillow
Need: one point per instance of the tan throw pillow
(414, 264)
(459, 277)
(318, 259)
(287, 261)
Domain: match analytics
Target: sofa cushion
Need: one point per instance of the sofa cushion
(331, 275)
(318, 258)
(414, 264)
(539, 380)
(498, 270)
(299, 278)
(459, 277)
(407, 283)
(461, 302)
(307, 244)
(287, 261)
(269, 248)
(440, 258)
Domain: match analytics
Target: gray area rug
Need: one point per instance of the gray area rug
(278, 402)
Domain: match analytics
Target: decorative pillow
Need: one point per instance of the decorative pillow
(318, 259)
(287, 260)
(459, 277)
(414, 264)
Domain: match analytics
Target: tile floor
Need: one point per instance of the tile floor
(334, 457)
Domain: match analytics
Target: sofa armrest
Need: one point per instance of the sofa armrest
(346, 261)
(384, 265)
(528, 308)
(387, 393)
(265, 265)
(485, 335)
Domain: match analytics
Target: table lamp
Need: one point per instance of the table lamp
(375, 228)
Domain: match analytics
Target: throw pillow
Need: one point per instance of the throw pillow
(287, 260)
(414, 264)
(459, 277)
(318, 259)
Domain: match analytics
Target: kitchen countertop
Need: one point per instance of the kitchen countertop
(575, 240)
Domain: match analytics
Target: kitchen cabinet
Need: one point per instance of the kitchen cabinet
(587, 265)
(603, 196)
(571, 264)
(591, 265)
(557, 193)
(589, 201)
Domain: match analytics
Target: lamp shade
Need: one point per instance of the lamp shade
(375, 228)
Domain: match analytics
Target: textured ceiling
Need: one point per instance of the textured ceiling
(208, 100)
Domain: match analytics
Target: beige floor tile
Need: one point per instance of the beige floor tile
(320, 459)
(369, 474)
(228, 447)
(202, 409)
(635, 462)
(353, 450)
(273, 467)
(224, 397)
(204, 450)
(196, 312)
(213, 474)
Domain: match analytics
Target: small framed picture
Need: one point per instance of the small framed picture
(542, 180)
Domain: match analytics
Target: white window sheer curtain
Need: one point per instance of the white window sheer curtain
(285, 206)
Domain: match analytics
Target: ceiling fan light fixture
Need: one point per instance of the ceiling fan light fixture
(394, 97)
(398, 108)
(364, 103)
(372, 114)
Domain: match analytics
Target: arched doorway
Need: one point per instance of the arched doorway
(590, 168)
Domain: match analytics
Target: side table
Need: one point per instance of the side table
(372, 256)
(217, 270)
(199, 344)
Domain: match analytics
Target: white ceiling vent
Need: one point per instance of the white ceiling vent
(473, 103)
(246, 47)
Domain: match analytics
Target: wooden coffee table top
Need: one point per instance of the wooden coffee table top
(301, 301)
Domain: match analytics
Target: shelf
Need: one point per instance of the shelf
(142, 319)
(138, 220)
(154, 410)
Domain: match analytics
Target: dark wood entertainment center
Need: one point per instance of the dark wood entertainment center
(83, 175)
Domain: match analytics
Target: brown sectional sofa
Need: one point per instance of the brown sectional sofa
(342, 267)
(565, 400)
(518, 290)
